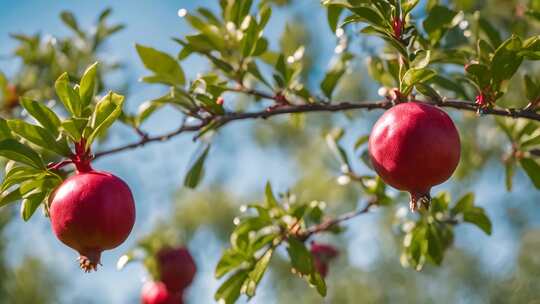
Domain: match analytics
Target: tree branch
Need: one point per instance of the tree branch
(329, 224)
(220, 120)
(145, 140)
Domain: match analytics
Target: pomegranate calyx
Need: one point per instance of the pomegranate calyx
(90, 260)
(419, 200)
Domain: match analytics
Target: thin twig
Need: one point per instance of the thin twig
(330, 223)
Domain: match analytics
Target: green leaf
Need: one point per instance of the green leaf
(366, 159)
(260, 47)
(271, 201)
(361, 141)
(265, 13)
(5, 132)
(368, 14)
(531, 141)
(301, 259)
(39, 136)
(421, 59)
(479, 73)
(506, 60)
(12, 196)
(14, 150)
(478, 217)
(199, 43)
(532, 169)
(74, 127)
(196, 168)
(88, 85)
(250, 36)
(107, 110)
(229, 291)
(525, 127)
(408, 5)
(532, 89)
(438, 21)
(255, 275)
(334, 74)
(317, 280)
(417, 247)
(30, 204)
(428, 91)
(284, 72)
(449, 84)
(333, 13)
(414, 76)
(146, 109)
(230, 260)
(491, 32)
(43, 115)
(18, 175)
(509, 170)
(465, 203)
(240, 236)
(68, 96)
(253, 69)
(162, 64)
(332, 139)
(440, 202)
(435, 248)
(532, 43)
(69, 19)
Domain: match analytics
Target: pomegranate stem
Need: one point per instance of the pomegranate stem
(82, 157)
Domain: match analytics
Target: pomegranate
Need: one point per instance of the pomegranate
(91, 211)
(176, 268)
(157, 293)
(413, 147)
(322, 255)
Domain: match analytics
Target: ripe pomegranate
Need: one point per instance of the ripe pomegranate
(157, 293)
(413, 147)
(92, 211)
(322, 255)
(176, 268)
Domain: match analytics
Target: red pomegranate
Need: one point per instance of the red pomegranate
(92, 211)
(157, 293)
(322, 255)
(176, 268)
(413, 147)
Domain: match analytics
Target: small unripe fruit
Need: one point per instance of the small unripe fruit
(413, 147)
(92, 211)
(12, 96)
(176, 268)
(157, 293)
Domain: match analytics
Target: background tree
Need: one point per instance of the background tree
(319, 157)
